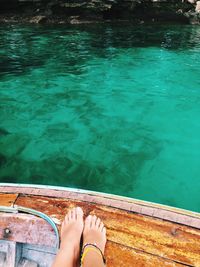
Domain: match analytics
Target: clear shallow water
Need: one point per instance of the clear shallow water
(106, 108)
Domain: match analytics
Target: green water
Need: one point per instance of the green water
(107, 108)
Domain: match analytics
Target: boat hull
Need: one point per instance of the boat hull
(139, 233)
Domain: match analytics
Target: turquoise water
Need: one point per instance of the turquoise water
(107, 108)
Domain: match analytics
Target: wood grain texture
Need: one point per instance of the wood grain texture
(118, 255)
(168, 241)
(10, 250)
(142, 207)
(41, 255)
(25, 228)
(7, 200)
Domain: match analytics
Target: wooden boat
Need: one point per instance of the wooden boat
(139, 233)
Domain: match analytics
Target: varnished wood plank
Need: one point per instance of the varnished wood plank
(152, 209)
(25, 228)
(118, 255)
(7, 199)
(153, 236)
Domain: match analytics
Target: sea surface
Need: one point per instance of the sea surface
(110, 108)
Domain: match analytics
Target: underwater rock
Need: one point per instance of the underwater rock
(3, 160)
(3, 132)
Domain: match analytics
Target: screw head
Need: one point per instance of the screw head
(7, 232)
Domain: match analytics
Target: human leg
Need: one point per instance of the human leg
(71, 231)
(94, 241)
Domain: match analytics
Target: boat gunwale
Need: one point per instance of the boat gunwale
(164, 212)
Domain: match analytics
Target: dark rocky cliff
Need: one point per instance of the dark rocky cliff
(87, 11)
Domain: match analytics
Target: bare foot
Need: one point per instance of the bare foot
(94, 233)
(71, 231)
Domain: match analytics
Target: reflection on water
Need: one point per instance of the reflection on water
(107, 108)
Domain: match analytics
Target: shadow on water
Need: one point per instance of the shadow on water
(3, 160)
(3, 132)
(108, 163)
(23, 48)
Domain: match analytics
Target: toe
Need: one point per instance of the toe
(65, 220)
(93, 222)
(101, 226)
(88, 221)
(98, 222)
(63, 223)
(104, 230)
(70, 215)
(73, 214)
(79, 213)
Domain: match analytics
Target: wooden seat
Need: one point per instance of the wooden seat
(2, 259)
(27, 263)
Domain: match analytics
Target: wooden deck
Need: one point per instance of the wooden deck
(139, 233)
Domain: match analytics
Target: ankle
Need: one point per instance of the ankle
(68, 254)
(92, 254)
(92, 259)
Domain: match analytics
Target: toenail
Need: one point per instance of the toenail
(79, 209)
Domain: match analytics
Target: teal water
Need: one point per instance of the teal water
(107, 108)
